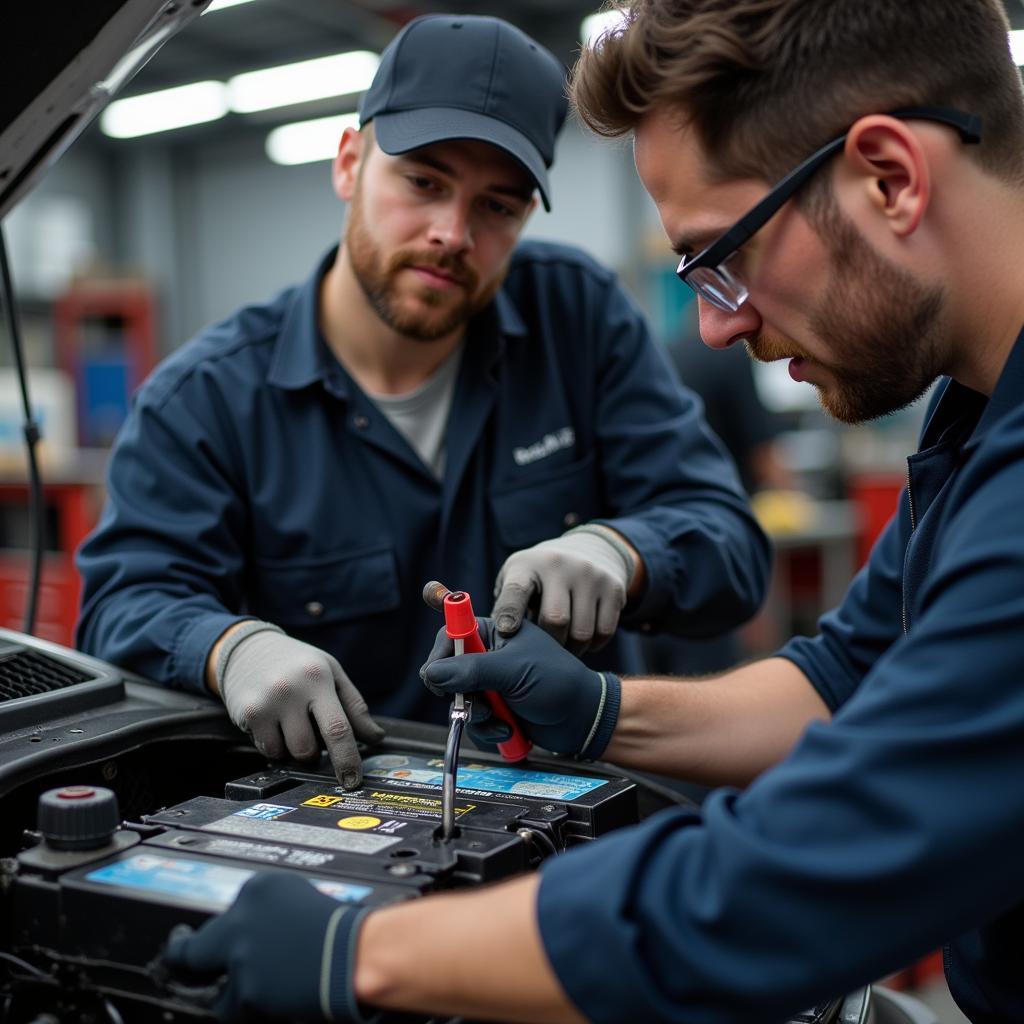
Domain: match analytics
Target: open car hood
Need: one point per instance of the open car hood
(63, 62)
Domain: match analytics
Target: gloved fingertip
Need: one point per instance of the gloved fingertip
(507, 625)
(175, 953)
(447, 677)
(492, 732)
(429, 674)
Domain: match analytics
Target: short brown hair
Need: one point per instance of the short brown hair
(766, 82)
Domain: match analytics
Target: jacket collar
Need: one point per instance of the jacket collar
(1008, 392)
(970, 411)
(302, 356)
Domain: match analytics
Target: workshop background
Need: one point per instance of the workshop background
(212, 189)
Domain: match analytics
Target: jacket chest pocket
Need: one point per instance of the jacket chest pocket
(546, 504)
(308, 592)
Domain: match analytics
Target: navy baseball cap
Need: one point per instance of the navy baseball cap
(468, 77)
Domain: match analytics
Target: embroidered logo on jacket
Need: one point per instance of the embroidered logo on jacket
(547, 445)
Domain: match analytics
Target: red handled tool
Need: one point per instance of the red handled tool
(460, 625)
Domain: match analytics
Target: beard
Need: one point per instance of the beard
(428, 314)
(882, 326)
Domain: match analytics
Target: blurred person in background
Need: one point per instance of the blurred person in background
(733, 409)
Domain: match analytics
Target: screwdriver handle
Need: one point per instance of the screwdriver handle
(460, 624)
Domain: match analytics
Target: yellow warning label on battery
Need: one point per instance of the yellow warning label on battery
(323, 800)
(406, 800)
(399, 802)
(359, 822)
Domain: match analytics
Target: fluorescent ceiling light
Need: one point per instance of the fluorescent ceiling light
(305, 141)
(1017, 46)
(316, 79)
(596, 25)
(219, 5)
(161, 111)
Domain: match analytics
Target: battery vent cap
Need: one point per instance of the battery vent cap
(78, 817)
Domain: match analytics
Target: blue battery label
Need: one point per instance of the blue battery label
(210, 885)
(265, 812)
(343, 892)
(483, 778)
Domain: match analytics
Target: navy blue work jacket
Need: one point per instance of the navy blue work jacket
(894, 829)
(254, 478)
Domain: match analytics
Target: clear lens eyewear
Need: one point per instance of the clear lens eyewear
(708, 273)
(719, 285)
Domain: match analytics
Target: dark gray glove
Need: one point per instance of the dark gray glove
(287, 952)
(284, 692)
(580, 581)
(561, 704)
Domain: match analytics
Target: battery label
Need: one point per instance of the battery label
(265, 812)
(269, 852)
(343, 892)
(484, 778)
(279, 831)
(380, 804)
(323, 800)
(211, 885)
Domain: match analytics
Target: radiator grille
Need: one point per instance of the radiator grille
(27, 673)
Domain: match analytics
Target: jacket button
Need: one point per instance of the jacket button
(314, 609)
(571, 519)
(360, 422)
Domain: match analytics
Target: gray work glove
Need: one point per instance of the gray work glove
(577, 582)
(284, 692)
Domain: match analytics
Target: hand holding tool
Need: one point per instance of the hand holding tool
(461, 625)
(461, 628)
(564, 705)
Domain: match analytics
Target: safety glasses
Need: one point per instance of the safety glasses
(709, 273)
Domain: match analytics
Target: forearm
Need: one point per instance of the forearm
(706, 565)
(724, 730)
(165, 570)
(161, 631)
(475, 954)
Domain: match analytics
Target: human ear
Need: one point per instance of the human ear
(345, 169)
(887, 158)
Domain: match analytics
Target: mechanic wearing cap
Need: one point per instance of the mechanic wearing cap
(433, 402)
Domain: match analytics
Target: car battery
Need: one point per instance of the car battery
(106, 910)
(507, 818)
(100, 914)
(567, 805)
